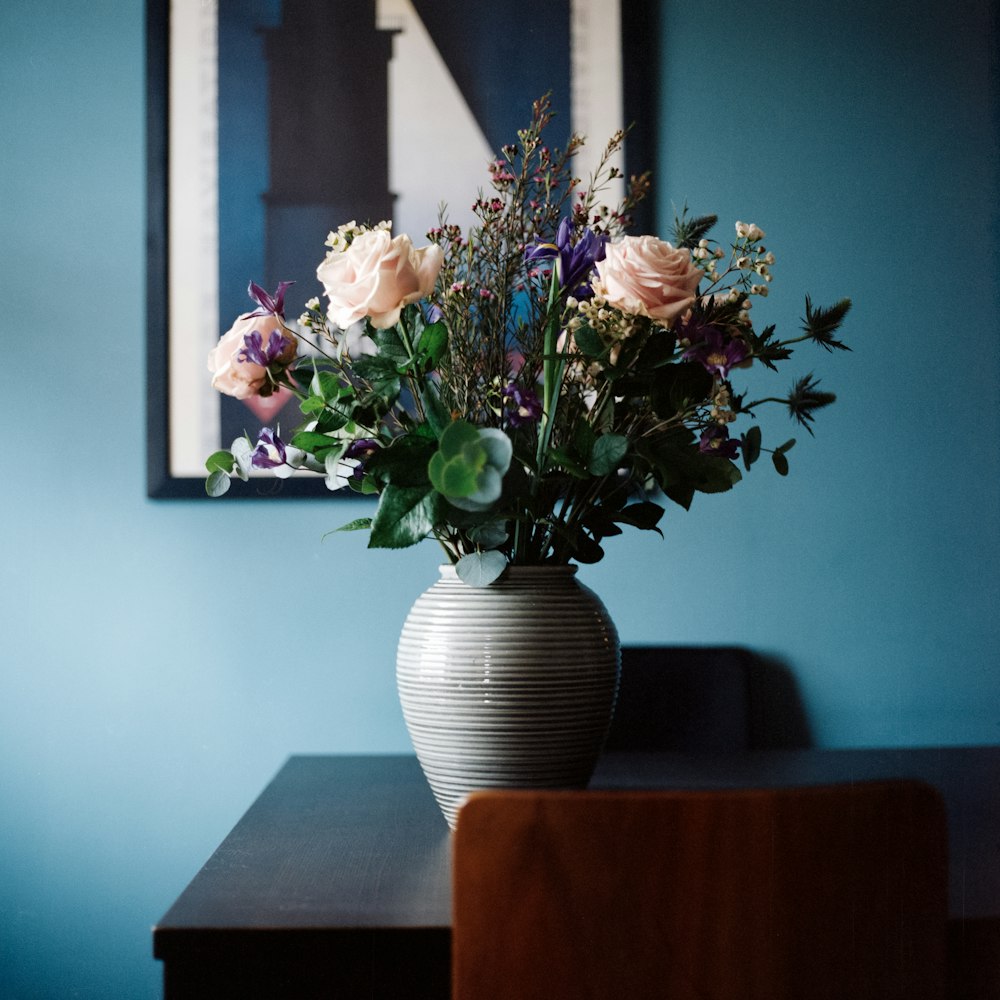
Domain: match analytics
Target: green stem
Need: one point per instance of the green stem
(552, 373)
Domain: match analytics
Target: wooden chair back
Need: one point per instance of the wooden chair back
(819, 893)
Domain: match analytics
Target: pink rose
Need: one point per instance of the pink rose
(245, 378)
(376, 276)
(646, 276)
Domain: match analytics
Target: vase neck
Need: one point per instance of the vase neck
(517, 572)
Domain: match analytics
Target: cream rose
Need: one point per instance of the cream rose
(646, 276)
(244, 379)
(376, 276)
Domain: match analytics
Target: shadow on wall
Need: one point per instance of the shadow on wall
(706, 699)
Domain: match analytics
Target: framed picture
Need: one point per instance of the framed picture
(272, 122)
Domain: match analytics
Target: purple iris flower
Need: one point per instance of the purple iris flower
(269, 305)
(523, 406)
(715, 441)
(713, 350)
(270, 450)
(255, 352)
(576, 261)
(361, 450)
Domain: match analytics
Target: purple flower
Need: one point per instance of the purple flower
(575, 261)
(358, 452)
(269, 305)
(523, 406)
(715, 441)
(255, 352)
(714, 351)
(270, 450)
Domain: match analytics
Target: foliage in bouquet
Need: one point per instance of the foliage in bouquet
(523, 390)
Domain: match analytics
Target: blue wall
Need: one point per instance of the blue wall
(147, 693)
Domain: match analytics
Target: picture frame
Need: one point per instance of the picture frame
(236, 160)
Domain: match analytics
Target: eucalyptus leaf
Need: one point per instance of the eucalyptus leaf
(217, 484)
(220, 461)
(490, 534)
(751, 446)
(480, 569)
(780, 462)
(470, 464)
(242, 451)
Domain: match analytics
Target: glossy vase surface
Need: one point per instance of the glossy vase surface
(507, 686)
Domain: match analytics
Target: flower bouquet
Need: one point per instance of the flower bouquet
(523, 390)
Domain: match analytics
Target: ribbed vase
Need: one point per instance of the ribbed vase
(507, 686)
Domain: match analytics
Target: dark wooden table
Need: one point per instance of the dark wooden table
(336, 882)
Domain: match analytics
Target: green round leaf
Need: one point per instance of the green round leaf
(480, 569)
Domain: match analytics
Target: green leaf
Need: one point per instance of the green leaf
(601, 523)
(315, 444)
(453, 479)
(609, 451)
(358, 524)
(718, 475)
(404, 462)
(681, 470)
(390, 347)
(562, 458)
(380, 373)
(480, 569)
(326, 385)
(489, 534)
(780, 462)
(217, 483)
(437, 416)
(470, 465)
(586, 549)
(589, 342)
(458, 436)
(644, 515)
(312, 404)
(220, 461)
(433, 343)
(584, 439)
(679, 387)
(405, 516)
(787, 446)
(332, 418)
(681, 494)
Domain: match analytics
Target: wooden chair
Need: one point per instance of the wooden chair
(820, 893)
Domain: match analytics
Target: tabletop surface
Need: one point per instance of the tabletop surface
(358, 842)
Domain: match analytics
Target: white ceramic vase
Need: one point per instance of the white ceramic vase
(507, 686)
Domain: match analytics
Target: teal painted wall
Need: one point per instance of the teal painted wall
(156, 668)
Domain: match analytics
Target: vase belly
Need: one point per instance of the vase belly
(511, 685)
